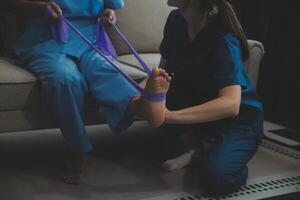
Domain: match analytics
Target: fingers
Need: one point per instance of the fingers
(161, 72)
(164, 74)
(107, 21)
(57, 10)
(109, 17)
(55, 7)
(169, 78)
(110, 13)
(54, 16)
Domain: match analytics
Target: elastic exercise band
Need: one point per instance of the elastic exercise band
(60, 33)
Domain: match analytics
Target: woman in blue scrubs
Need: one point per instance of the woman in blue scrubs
(68, 71)
(213, 106)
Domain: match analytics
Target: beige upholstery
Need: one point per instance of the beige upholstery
(18, 87)
(141, 22)
(253, 63)
(152, 60)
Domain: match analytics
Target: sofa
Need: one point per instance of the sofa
(142, 23)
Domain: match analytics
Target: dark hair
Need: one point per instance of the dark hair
(224, 14)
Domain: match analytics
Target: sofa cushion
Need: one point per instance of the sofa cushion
(18, 87)
(33, 119)
(11, 72)
(142, 22)
(151, 59)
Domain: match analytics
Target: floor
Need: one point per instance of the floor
(123, 166)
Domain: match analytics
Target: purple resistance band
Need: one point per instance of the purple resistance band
(60, 32)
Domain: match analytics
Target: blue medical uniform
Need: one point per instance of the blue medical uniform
(68, 71)
(200, 69)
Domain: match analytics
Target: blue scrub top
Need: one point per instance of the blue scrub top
(37, 37)
(201, 68)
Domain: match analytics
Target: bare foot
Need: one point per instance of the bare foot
(74, 176)
(158, 82)
(179, 162)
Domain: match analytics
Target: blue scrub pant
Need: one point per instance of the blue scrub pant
(229, 147)
(66, 80)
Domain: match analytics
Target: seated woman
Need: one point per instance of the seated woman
(213, 104)
(69, 71)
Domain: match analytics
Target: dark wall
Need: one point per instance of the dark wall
(276, 24)
(1, 42)
(1, 48)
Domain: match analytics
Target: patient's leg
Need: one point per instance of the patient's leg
(153, 112)
(74, 175)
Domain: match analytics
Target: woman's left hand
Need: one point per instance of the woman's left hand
(108, 17)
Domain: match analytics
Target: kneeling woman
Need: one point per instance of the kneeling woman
(210, 95)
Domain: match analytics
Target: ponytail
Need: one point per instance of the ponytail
(222, 12)
(230, 24)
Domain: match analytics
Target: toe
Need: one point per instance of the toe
(155, 71)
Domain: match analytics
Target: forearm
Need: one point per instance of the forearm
(213, 110)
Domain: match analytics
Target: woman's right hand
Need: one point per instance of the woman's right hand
(57, 10)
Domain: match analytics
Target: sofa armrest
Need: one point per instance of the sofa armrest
(252, 65)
